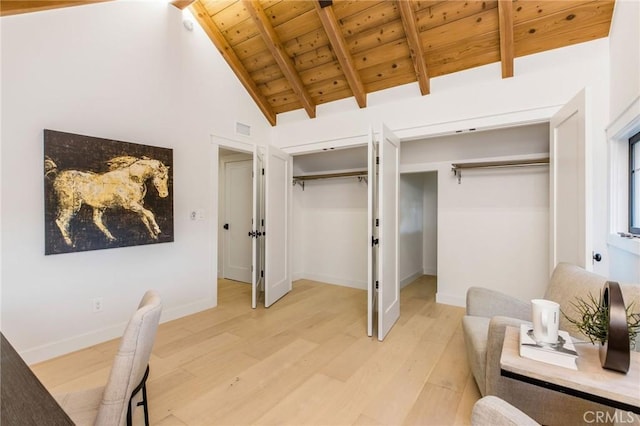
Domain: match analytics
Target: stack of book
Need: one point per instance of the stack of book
(563, 353)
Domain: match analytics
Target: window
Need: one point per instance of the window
(634, 184)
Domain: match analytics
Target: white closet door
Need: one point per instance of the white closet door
(388, 280)
(570, 215)
(238, 203)
(278, 178)
(372, 246)
(257, 277)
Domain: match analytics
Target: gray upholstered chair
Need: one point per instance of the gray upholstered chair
(113, 404)
(493, 411)
(490, 312)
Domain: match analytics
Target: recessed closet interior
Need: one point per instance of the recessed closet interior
(330, 217)
(508, 206)
(444, 222)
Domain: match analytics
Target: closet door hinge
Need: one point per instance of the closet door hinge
(263, 171)
(377, 222)
(261, 274)
(376, 284)
(377, 160)
(374, 241)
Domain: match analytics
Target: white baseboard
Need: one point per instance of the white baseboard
(75, 343)
(430, 271)
(411, 278)
(295, 276)
(362, 285)
(450, 299)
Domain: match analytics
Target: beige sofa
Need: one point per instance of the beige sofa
(489, 312)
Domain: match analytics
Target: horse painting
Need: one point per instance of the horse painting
(122, 186)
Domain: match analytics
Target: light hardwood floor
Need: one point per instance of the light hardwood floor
(304, 361)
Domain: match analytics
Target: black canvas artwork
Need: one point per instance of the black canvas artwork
(102, 193)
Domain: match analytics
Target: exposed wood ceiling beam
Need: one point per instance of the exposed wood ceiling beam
(505, 18)
(182, 4)
(15, 7)
(415, 47)
(339, 45)
(276, 48)
(232, 59)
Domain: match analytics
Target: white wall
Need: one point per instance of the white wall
(624, 41)
(411, 239)
(128, 71)
(492, 228)
(330, 231)
(430, 225)
(477, 98)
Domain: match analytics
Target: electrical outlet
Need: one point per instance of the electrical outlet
(96, 304)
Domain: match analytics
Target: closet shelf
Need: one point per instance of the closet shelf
(360, 174)
(458, 167)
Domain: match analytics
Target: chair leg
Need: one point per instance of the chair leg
(142, 386)
(145, 404)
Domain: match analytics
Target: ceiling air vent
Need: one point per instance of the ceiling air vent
(243, 129)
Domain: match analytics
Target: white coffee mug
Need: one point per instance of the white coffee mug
(545, 318)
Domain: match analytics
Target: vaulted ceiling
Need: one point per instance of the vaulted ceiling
(297, 54)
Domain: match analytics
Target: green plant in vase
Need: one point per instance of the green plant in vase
(593, 319)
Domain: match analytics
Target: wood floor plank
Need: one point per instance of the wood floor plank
(299, 407)
(171, 393)
(452, 370)
(406, 384)
(306, 360)
(469, 397)
(346, 406)
(435, 406)
(60, 370)
(211, 406)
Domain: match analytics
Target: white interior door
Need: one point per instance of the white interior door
(570, 204)
(278, 178)
(257, 249)
(372, 246)
(238, 216)
(388, 279)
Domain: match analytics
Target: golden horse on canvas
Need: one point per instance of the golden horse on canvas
(123, 186)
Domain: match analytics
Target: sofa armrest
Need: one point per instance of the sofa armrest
(493, 411)
(483, 302)
(495, 339)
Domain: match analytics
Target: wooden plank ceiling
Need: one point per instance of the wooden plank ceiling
(293, 54)
(297, 54)
(15, 7)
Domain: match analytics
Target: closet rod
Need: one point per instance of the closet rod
(457, 167)
(331, 175)
(361, 175)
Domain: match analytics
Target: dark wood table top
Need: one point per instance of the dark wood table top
(23, 398)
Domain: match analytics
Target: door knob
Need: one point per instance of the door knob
(597, 257)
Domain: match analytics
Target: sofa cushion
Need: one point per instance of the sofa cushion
(476, 330)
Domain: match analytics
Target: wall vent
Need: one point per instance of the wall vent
(243, 129)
